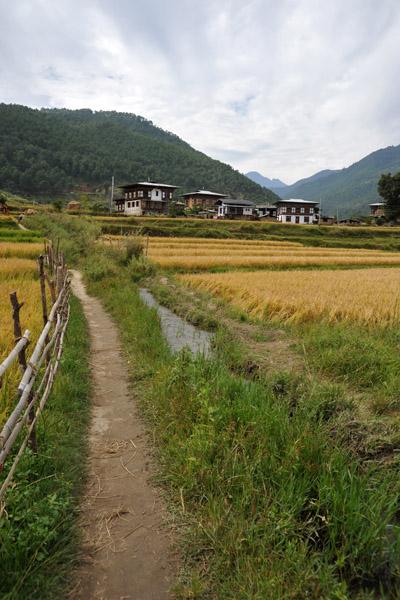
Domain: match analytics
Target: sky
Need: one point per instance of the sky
(283, 87)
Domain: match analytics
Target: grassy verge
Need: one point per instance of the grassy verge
(276, 500)
(38, 536)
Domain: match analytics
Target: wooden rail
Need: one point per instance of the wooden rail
(39, 372)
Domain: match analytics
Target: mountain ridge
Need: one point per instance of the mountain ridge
(45, 152)
(350, 190)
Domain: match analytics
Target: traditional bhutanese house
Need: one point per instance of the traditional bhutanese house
(377, 209)
(266, 211)
(296, 210)
(119, 205)
(327, 219)
(229, 208)
(203, 198)
(146, 198)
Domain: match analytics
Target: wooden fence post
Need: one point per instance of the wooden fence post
(16, 307)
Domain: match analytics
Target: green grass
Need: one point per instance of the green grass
(276, 498)
(38, 536)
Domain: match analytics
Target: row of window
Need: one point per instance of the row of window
(139, 194)
(296, 210)
(133, 204)
(289, 219)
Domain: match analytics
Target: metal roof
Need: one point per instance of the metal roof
(232, 201)
(205, 193)
(149, 184)
(297, 200)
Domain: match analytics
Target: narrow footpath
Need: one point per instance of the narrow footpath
(126, 544)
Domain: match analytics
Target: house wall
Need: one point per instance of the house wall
(297, 213)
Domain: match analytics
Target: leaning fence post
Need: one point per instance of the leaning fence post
(16, 307)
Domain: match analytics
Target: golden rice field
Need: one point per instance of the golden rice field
(20, 275)
(202, 255)
(21, 249)
(365, 295)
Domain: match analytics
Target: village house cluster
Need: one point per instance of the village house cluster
(148, 198)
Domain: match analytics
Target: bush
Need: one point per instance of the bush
(134, 247)
(140, 268)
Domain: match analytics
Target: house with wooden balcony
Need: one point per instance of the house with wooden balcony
(229, 208)
(145, 198)
(295, 210)
(201, 199)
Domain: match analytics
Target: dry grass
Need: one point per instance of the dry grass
(366, 295)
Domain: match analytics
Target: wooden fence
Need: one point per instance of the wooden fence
(39, 372)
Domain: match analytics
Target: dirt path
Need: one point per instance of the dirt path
(126, 544)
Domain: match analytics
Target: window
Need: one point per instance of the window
(163, 194)
(157, 193)
(306, 219)
(293, 209)
(311, 211)
(288, 219)
(149, 194)
(283, 209)
(302, 210)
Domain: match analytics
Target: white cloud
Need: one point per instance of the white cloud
(284, 88)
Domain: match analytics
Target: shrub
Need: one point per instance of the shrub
(140, 268)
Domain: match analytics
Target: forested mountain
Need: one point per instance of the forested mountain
(350, 190)
(265, 181)
(49, 151)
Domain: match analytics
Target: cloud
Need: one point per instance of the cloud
(284, 88)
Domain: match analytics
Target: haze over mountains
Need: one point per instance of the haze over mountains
(349, 191)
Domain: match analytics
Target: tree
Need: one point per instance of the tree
(389, 190)
(57, 205)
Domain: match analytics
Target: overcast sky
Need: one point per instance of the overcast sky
(283, 87)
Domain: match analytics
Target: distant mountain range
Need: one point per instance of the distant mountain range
(265, 181)
(48, 152)
(349, 191)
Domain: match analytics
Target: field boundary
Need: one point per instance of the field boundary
(42, 367)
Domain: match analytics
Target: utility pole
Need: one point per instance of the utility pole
(112, 192)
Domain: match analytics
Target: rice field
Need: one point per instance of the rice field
(370, 296)
(20, 275)
(194, 255)
(20, 249)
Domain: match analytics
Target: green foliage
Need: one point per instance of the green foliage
(38, 536)
(52, 150)
(389, 190)
(76, 236)
(279, 500)
(134, 247)
(58, 205)
(141, 268)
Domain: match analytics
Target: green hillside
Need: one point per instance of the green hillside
(49, 151)
(350, 190)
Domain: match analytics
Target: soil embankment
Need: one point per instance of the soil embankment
(126, 545)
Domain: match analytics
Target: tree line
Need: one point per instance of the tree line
(48, 151)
